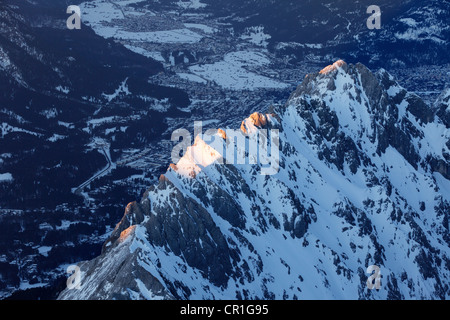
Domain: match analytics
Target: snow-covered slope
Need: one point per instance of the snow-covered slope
(363, 180)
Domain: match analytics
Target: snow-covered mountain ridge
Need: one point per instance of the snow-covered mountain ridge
(363, 180)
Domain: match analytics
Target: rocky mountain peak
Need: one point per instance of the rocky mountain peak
(340, 64)
(256, 119)
(362, 181)
(356, 108)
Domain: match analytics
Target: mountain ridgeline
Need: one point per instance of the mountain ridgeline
(364, 179)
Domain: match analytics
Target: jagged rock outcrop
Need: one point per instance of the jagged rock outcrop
(110, 282)
(442, 107)
(363, 180)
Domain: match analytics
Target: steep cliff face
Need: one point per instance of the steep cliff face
(442, 107)
(362, 179)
